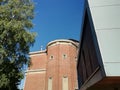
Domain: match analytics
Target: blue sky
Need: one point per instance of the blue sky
(56, 19)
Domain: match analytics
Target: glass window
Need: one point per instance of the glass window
(65, 83)
(50, 83)
(64, 56)
(51, 57)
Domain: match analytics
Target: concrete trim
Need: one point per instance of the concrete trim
(37, 52)
(35, 71)
(62, 41)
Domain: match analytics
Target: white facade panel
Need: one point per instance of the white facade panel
(96, 3)
(106, 17)
(112, 69)
(109, 43)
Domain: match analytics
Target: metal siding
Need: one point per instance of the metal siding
(106, 20)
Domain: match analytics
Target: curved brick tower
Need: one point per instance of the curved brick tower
(53, 68)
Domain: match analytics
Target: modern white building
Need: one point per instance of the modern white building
(99, 52)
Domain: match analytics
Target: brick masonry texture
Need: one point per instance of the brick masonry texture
(56, 62)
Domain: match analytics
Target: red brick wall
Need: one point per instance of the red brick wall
(57, 68)
(35, 81)
(52, 66)
(38, 61)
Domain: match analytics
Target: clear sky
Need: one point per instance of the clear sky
(56, 19)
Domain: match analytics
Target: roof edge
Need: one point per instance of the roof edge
(37, 52)
(74, 42)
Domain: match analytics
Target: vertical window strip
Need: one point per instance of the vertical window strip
(50, 83)
(65, 83)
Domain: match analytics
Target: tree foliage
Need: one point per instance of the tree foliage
(15, 40)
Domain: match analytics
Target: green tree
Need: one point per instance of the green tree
(15, 40)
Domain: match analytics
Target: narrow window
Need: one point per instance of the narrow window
(65, 83)
(51, 57)
(75, 58)
(50, 83)
(64, 56)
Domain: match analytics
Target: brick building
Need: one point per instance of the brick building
(53, 68)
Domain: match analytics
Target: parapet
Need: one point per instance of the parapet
(63, 41)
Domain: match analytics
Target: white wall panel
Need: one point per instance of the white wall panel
(112, 69)
(95, 3)
(109, 42)
(106, 20)
(106, 17)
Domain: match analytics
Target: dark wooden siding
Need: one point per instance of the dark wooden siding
(88, 61)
